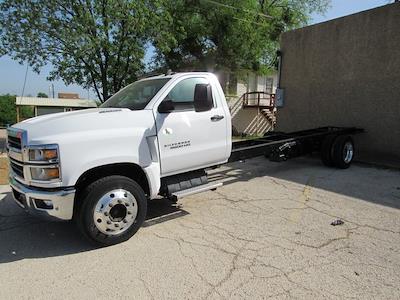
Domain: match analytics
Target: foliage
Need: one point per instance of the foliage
(100, 44)
(231, 35)
(8, 112)
(42, 95)
(97, 44)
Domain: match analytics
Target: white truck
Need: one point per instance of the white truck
(156, 137)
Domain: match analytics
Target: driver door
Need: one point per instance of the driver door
(190, 139)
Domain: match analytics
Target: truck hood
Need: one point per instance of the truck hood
(57, 127)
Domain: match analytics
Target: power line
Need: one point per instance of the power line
(238, 9)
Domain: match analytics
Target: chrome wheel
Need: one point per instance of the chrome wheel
(115, 212)
(348, 152)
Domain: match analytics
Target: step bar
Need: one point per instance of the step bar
(195, 190)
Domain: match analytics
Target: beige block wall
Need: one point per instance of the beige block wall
(346, 72)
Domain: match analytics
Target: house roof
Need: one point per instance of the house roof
(34, 101)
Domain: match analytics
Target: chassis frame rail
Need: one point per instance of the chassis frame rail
(280, 146)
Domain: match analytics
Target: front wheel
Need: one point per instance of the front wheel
(112, 209)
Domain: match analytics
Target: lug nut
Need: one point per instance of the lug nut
(129, 213)
(119, 201)
(106, 214)
(126, 204)
(125, 221)
(116, 225)
(108, 222)
(110, 205)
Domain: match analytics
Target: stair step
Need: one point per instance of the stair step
(196, 189)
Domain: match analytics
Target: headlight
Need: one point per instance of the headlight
(45, 154)
(45, 174)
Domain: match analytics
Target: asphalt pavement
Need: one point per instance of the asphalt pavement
(266, 233)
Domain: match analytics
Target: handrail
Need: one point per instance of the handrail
(258, 99)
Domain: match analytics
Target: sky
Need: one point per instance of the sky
(12, 73)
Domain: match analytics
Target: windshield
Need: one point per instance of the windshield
(136, 95)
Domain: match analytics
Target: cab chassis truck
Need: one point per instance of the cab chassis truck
(157, 137)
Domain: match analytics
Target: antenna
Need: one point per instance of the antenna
(26, 75)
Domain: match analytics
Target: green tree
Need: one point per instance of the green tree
(8, 111)
(97, 44)
(231, 35)
(42, 95)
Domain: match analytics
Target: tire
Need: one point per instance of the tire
(343, 151)
(111, 211)
(326, 150)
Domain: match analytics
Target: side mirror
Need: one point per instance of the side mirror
(166, 107)
(203, 97)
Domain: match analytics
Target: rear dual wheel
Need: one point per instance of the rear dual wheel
(112, 209)
(337, 151)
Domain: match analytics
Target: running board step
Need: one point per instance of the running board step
(195, 190)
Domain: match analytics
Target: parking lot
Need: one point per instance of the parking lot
(266, 233)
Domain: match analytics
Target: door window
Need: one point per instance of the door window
(182, 94)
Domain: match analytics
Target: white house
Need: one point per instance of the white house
(254, 115)
(257, 83)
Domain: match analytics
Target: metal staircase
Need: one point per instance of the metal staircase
(265, 102)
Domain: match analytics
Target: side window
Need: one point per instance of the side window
(182, 95)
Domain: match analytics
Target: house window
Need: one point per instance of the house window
(269, 83)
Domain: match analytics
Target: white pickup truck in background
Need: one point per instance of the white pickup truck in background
(156, 137)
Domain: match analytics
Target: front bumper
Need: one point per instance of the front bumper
(50, 204)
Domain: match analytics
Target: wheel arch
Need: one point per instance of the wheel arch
(130, 170)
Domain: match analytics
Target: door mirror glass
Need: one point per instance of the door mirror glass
(203, 97)
(166, 106)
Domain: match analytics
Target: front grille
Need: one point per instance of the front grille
(14, 142)
(19, 170)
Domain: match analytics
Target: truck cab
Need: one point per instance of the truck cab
(101, 166)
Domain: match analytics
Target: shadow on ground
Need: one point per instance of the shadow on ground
(24, 237)
(361, 181)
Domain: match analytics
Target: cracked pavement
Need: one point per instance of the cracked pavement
(265, 234)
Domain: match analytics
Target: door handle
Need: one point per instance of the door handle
(216, 118)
